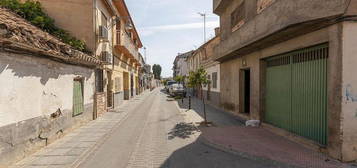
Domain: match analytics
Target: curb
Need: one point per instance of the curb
(244, 154)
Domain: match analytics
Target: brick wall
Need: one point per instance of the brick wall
(100, 104)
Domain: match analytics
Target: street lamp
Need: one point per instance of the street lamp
(204, 24)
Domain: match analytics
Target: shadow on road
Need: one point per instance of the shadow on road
(183, 131)
(199, 155)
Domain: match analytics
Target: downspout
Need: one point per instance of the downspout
(95, 26)
(94, 20)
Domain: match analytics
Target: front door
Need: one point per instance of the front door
(131, 85)
(245, 91)
(109, 90)
(126, 85)
(209, 88)
(78, 102)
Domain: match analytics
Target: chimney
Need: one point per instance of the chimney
(217, 31)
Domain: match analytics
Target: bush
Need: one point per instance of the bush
(32, 12)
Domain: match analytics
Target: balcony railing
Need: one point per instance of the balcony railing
(125, 42)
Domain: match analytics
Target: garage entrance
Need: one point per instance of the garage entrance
(296, 92)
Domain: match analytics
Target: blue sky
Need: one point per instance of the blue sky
(169, 27)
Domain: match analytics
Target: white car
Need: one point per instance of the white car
(168, 85)
(177, 90)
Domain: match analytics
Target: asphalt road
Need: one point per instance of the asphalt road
(150, 137)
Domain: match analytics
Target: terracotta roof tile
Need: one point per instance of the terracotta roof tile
(17, 33)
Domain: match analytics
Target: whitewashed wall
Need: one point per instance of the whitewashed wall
(210, 70)
(33, 87)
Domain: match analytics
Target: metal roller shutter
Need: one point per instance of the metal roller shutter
(296, 92)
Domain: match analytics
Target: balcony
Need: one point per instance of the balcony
(219, 5)
(279, 22)
(124, 44)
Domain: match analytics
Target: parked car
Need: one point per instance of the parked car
(177, 90)
(169, 83)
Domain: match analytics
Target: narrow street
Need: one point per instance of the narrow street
(178, 84)
(147, 138)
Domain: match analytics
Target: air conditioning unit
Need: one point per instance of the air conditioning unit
(106, 57)
(103, 32)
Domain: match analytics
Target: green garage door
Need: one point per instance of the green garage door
(296, 92)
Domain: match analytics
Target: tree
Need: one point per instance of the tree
(180, 79)
(198, 79)
(164, 81)
(156, 68)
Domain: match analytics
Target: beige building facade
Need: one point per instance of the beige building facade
(180, 67)
(109, 32)
(293, 73)
(127, 59)
(204, 57)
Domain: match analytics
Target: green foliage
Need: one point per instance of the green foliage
(164, 81)
(178, 97)
(198, 78)
(180, 79)
(156, 68)
(32, 12)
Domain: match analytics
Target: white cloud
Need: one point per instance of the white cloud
(146, 31)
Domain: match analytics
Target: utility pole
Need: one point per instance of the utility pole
(145, 55)
(204, 25)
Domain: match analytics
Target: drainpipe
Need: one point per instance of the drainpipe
(95, 25)
(94, 20)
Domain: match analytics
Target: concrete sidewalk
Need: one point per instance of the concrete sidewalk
(261, 144)
(232, 136)
(215, 115)
(74, 147)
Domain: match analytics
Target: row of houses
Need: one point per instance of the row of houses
(49, 88)
(289, 64)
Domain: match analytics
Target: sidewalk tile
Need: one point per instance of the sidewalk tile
(262, 144)
(71, 147)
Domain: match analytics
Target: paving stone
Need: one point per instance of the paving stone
(67, 150)
(53, 160)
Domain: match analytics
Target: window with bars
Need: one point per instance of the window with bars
(118, 32)
(104, 20)
(214, 80)
(99, 80)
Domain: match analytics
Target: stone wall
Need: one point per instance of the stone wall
(101, 105)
